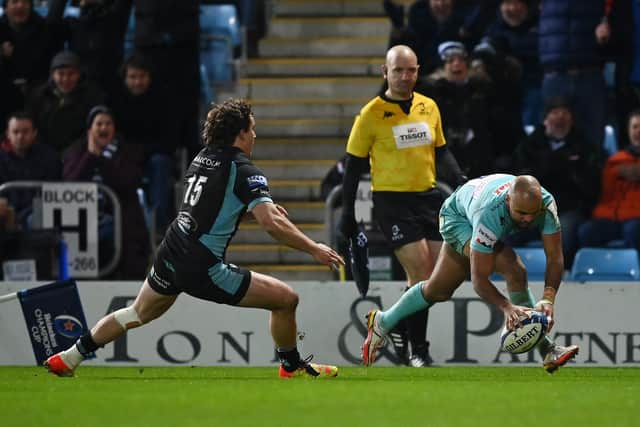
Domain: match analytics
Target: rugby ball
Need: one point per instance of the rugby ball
(527, 336)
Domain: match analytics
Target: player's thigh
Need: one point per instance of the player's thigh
(269, 293)
(150, 304)
(450, 271)
(416, 259)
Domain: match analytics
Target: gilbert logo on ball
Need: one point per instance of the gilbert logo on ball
(526, 337)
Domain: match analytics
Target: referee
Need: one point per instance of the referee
(400, 134)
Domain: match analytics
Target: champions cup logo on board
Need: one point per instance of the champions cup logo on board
(67, 326)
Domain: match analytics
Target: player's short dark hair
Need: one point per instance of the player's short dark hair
(225, 121)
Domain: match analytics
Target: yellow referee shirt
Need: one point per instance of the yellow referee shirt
(401, 146)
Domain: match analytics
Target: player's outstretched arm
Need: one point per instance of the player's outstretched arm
(274, 221)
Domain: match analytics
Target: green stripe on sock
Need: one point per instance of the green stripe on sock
(409, 303)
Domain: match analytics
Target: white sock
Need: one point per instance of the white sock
(72, 357)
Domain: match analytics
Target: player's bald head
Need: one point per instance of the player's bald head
(526, 194)
(400, 52)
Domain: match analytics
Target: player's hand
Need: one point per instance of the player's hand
(348, 226)
(513, 313)
(546, 307)
(327, 256)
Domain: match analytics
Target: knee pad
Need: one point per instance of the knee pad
(127, 318)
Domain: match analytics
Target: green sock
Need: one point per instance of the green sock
(410, 302)
(526, 299)
(523, 298)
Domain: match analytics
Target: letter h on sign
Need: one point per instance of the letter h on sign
(80, 228)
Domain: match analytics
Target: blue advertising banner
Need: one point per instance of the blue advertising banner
(53, 316)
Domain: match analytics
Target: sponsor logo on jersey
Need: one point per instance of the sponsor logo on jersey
(412, 135)
(257, 181)
(485, 237)
(206, 162)
(186, 223)
(387, 114)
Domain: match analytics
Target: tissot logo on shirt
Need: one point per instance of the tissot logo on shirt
(257, 181)
(485, 237)
(412, 135)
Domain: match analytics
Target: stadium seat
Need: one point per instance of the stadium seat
(610, 143)
(129, 36)
(220, 20)
(216, 55)
(605, 264)
(534, 260)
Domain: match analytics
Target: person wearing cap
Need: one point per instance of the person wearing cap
(400, 134)
(557, 153)
(102, 156)
(480, 131)
(60, 105)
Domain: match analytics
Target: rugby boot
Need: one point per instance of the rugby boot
(558, 356)
(420, 357)
(306, 369)
(57, 366)
(375, 340)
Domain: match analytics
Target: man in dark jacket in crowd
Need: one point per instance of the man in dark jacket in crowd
(23, 158)
(26, 49)
(60, 105)
(558, 154)
(144, 120)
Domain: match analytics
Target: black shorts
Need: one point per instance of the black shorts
(222, 283)
(407, 217)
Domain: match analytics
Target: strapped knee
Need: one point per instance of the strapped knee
(127, 318)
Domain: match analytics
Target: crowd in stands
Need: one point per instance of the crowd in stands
(495, 68)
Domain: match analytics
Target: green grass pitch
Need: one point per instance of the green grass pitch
(396, 397)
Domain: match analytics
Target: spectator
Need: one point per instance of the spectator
(617, 214)
(97, 36)
(102, 157)
(556, 153)
(60, 106)
(571, 42)
(432, 22)
(168, 32)
(141, 112)
(25, 53)
(479, 131)
(23, 158)
(516, 30)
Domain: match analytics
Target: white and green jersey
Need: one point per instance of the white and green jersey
(479, 207)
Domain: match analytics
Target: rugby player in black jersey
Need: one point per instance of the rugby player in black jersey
(221, 184)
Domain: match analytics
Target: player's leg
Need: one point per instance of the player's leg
(147, 306)
(418, 259)
(276, 296)
(450, 271)
(510, 265)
